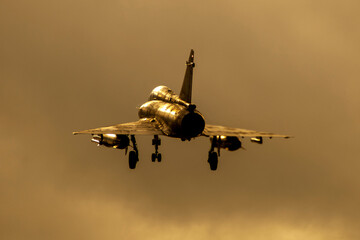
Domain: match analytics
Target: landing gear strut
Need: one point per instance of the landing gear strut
(213, 156)
(133, 155)
(156, 142)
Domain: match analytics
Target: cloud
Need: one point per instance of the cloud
(287, 67)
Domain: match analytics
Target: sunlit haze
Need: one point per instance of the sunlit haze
(289, 67)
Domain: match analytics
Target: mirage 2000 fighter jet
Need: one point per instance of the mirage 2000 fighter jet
(174, 116)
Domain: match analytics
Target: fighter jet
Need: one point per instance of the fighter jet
(171, 115)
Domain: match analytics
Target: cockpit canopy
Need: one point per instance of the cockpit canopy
(165, 94)
(161, 93)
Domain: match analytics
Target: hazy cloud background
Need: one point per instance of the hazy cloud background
(289, 67)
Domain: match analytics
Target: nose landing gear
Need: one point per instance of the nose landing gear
(156, 142)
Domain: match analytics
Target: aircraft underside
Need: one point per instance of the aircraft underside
(125, 142)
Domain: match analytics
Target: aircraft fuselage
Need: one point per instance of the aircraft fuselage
(175, 117)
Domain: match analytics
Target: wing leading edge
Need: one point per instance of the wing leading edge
(214, 130)
(142, 127)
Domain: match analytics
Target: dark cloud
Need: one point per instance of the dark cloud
(287, 67)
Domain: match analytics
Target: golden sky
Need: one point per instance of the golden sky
(289, 67)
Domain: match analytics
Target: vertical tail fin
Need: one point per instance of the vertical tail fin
(186, 88)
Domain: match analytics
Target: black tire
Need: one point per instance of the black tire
(153, 157)
(213, 161)
(133, 158)
(159, 157)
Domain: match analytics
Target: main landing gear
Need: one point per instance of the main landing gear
(156, 142)
(133, 155)
(213, 156)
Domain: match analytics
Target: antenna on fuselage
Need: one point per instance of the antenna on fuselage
(186, 88)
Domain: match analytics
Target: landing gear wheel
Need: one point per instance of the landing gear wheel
(153, 157)
(156, 155)
(133, 159)
(133, 155)
(213, 160)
